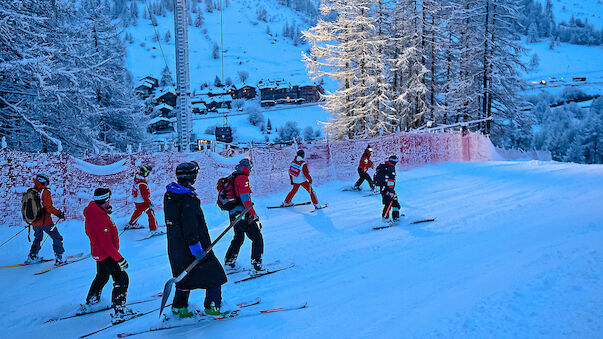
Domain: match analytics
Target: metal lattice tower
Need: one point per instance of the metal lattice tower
(183, 86)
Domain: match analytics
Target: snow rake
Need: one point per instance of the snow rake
(167, 289)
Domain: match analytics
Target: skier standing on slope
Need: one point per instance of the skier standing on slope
(104, 247)
(142, 200)
(299, 175)
(188, 237)
(385, 178)
(363, 166)
(250, 225)
(45, 223)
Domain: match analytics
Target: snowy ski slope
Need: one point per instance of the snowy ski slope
(515, 252)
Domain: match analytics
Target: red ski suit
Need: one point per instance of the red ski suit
(46, 201)
(365, 162)
(142, 200)
(300, 176)
(104, 240)
(242, 190)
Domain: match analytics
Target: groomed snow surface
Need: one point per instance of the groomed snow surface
(515, 252)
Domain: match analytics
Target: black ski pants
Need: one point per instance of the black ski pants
(104, 269)
(251, 229)
(364, 176)
(213, 294)
(390, 203)
(53, 232)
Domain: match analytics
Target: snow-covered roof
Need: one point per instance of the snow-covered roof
(158, 119)
(164, 105)
(145, 84)
(164, 91)
(199, 105)
(203, 97)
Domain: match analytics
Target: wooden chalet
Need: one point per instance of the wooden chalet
(167, 96)
(160, 125)
(165, 110)
(245, 92)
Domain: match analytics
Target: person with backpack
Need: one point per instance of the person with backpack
(250, 225)
(38, 202)
(363, 167)
(385, 178)
(299, 175)
(187, 240)
(104, 248)
(142, 201)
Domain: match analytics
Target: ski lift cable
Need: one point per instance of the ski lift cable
(157, 37)
(222, 58)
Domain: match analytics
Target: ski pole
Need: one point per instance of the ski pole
(167, 289)
(51, 229)
(9, 239)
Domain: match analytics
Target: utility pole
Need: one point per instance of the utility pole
(183, 90)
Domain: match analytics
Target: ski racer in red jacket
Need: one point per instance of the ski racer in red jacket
(104, 247)
(142, 200)
(300, 176)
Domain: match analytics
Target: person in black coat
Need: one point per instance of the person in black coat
(188, 237)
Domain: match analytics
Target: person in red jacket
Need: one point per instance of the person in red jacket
(142, 200)
(299, 175)
(250, 225)
(363, 167)
(45, 224)
(104, 247)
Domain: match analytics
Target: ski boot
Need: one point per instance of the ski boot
(133, 226)
(182, 313)
(356, 188)
(58, 259)
(256, 266)
(155, 232)
(33, 258)
(215, 311)
(286, 204)
(122, 313)
(231, 263)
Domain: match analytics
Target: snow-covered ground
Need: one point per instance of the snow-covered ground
(515, 252)
(560, 65)
(591, 10)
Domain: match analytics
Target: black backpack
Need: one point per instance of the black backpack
(380, 175)
(227, 198)
(31, 206)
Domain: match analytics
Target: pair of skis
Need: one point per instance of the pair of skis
(392, 224)
(80, 257)
(41, 261)
(270, 268)
(299, 204)
(240, 312)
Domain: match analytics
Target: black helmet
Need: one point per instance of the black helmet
(43, 179)
(301, 153)
(393, 159)
(247, 163)
(145, 171)
(187, 171)
(369, 148)
(101, 195)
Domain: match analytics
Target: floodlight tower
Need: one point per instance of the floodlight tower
(183, 86)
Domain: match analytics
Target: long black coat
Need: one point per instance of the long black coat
(185, 227)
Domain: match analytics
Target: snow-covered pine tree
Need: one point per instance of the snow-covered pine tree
(166, 78)
(133, 12)
(199, 19)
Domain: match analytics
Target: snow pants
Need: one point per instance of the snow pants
(308, 188)
(140, 208)
(211, 295)
(53, 232)
(251, 229)
(364, 176)
(390, 202)
(104, 269)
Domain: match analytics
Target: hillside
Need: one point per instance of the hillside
(515, 252)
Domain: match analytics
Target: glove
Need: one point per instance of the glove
(151, 206)
(197, 251)
(123, 264)
(258, 224)
(61, 215)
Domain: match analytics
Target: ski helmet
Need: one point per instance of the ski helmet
(102, 195)
(187, 171)
(145, 171)
(301, 153)
(247, 163)
(43, 179)
(369, 148)
(393, 159)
